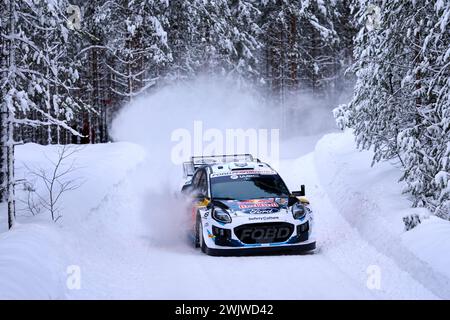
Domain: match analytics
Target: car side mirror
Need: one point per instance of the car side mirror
(300, 193)
(292, 200)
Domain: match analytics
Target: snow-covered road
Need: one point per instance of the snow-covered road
(122, 255)
(124, 229)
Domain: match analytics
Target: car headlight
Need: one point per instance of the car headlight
(221, 215)
(299, 211)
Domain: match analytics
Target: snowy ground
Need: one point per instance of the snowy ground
(123, 232)
(371, 200)
(119, 229)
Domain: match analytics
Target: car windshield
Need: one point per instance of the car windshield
(247, 186)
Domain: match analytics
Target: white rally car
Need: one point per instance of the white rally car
(241, 205)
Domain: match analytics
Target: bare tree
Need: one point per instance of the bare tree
(57, 182)
(32, 206)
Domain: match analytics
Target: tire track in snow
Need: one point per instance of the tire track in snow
(342, 244)
(128, 263)
(362, 214)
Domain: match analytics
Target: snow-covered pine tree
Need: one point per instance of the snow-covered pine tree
(213, 37)
(372, 111)
(92, 55)
(300, 41)
(52, 56)
(137, 43)
(400, 105)
(346, 29)
(183, 39)
(300, 45)
(35, 78)
(425, 145)
(244, 38)
(318, 43)
(277, 20)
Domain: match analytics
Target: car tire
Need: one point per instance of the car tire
(201, 240)
(197, 233)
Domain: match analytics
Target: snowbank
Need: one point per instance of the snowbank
(31, 263)
(33, 256)
(430, 241)
(125, 248)
(371, 200)
(96, 167)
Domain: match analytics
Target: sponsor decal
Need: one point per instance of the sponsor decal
(234, 176)
(263, 218)
(210, 235)
(258, 203)
(262, 211)
(223, 174)
(248, 176)
(242, 173)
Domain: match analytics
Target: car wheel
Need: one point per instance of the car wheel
(201, 241)
(197, 234)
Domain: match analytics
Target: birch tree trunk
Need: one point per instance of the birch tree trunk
(10, 171)
(3, 118)
(9, 115)
(3, 151)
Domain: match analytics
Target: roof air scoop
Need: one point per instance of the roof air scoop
(241, 166)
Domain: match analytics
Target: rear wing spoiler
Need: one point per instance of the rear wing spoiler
(196, 162)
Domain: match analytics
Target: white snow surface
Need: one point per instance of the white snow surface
(371, 200)
(129, 244)
(31, 262)
(125, 227)
(33, 255)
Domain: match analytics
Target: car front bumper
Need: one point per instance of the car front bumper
(305, 247)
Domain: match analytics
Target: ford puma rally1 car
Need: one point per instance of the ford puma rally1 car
(241, 205)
